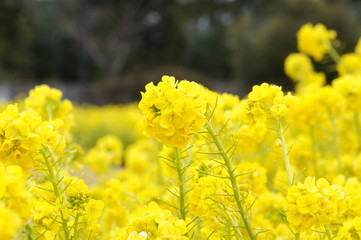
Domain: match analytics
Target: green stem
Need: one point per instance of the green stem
(286, 159)
(233, 179)
(49, 111)
(334, 54)
(29, 232)
(328, 232)
(181, 171)
(76, 235)
(297, 236)
(55, 181)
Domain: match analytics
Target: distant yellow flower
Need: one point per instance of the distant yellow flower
(94, 209)
(314, 40)
(107, 151)
(298, 66)
(48, 103)
(349, 64)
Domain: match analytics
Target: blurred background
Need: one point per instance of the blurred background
(105, 51)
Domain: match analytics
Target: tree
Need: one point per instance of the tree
(110, 31)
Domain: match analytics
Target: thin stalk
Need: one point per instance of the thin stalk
(297, 236)
(76, 234)
(181, 183)
(49, 111)
(29, 233)
(286, 159)
(334, 54)
(328, 232)
(233, 179)
(57, 191)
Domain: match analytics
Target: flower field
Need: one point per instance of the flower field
(190, 163)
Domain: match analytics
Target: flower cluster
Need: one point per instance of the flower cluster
(48, 104)
(315, 40)
(22, 136)
(174, 111)
(298, 66)
(313, 203)
(269, 166)
(107, 151)
(153, 223)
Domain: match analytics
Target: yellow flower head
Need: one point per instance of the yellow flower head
(350, 230)
(298, 66)
(23, 134)
(108, 151)
(312, 202)
(314, 40)
(349, 64)
(153, 223)
(48, 103)
(9, 223)
(173, 110)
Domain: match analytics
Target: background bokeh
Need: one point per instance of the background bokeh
(105, 51)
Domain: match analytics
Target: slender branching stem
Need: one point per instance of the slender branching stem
(29, 232)
(328, 232)
(286, 159)
(55, 180)
(297, 236)
(181, 171)
(233, 179)
(334, 54)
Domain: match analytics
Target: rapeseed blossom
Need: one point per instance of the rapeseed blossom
(48, 103)
(153, 223)
(315, 40)
(107, 151)
(173, 110)
(313, 203)
(22, 136)
(270, 166)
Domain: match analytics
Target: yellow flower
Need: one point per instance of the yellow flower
(351, 230)
(349, 64)
(298, 66)
(173, 111)
(314, 40)
(48, 103)
(279, 110)
(293, 215)
(313, 203)
(94, 209)
(9, 223)
(152, 223)
(307, 204)
(23, 134)
(107, 151)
